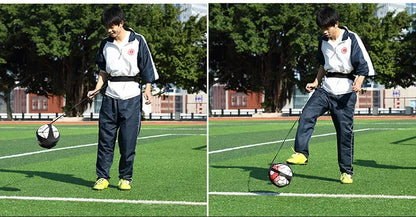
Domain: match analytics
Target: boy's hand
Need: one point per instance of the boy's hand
(356, 86)
(312, 86)
(91, 94)
(148, 94)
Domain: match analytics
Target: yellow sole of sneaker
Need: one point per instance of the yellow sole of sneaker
(99, 189)
(123, 189)
(291, 163)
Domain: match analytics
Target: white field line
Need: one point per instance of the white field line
(313, 195)
(44, 151)
(104, 200)
(91, 128)
(87, 145)
(273, 142)
(391, 129)
(155, 128)
(320, 124)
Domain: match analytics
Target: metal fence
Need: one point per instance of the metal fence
(214, 113)
(296, 112)
(94, 116)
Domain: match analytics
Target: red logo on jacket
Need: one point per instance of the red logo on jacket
(131, 51)
(344, 50)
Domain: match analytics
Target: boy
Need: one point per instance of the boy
(122, 57)
(344, 63)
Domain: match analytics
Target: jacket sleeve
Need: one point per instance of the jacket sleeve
(360, 59)
(319, 54)
(99, 59)
(145, 62)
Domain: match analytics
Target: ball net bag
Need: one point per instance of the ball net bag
(47, 136)
(280, 174)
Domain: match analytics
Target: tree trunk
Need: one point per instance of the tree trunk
(269, 81)
(74, 86)
(8, 105)
(280, 84)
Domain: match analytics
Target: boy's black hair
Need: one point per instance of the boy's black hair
(327, 17)
(112, 16)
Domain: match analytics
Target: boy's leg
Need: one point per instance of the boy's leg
(342, 112)
(130, 121)
(107, 137)
(316, 106)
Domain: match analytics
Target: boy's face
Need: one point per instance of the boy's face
(114, 30)
(330, 31)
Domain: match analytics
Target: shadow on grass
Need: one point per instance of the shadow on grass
(263, 173)
(374, 164)
(401, 142)
(9, 189)
(204, 147)
(65, 178)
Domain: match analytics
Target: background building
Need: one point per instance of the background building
(31, 103)
(373, 95)
(176, 100)
(192, 10)
(230, 99)
(3, 108)
(388, 7)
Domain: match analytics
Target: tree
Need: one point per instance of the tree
(50, 47)
(6, 84)
(261, 47)
(387, 40)
(406, 59)
(58, 44)
(16, 49)
(179, 49)
(399, 53)
(68, 36)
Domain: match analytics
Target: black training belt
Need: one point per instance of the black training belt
(340, 75)
(123, 78)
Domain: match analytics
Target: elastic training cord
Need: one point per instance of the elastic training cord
(271, 164)
(53, 121)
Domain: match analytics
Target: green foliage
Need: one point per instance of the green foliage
(386, 39)
(406, 59)
(3, 34)
(261, 47)
(51, 48)
(258, 47)
(179, 49)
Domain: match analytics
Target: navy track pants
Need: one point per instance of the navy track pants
(124, 117)
(341, 108)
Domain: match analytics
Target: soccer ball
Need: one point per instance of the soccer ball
(280, 174)
(47, 136)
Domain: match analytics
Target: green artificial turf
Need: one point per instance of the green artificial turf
(168, 167)
(384, 164)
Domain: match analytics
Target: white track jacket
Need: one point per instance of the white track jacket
(346, 55)
(131, 58)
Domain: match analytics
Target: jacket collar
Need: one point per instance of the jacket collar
(344, 36)
(131, 37)
(132, 34)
